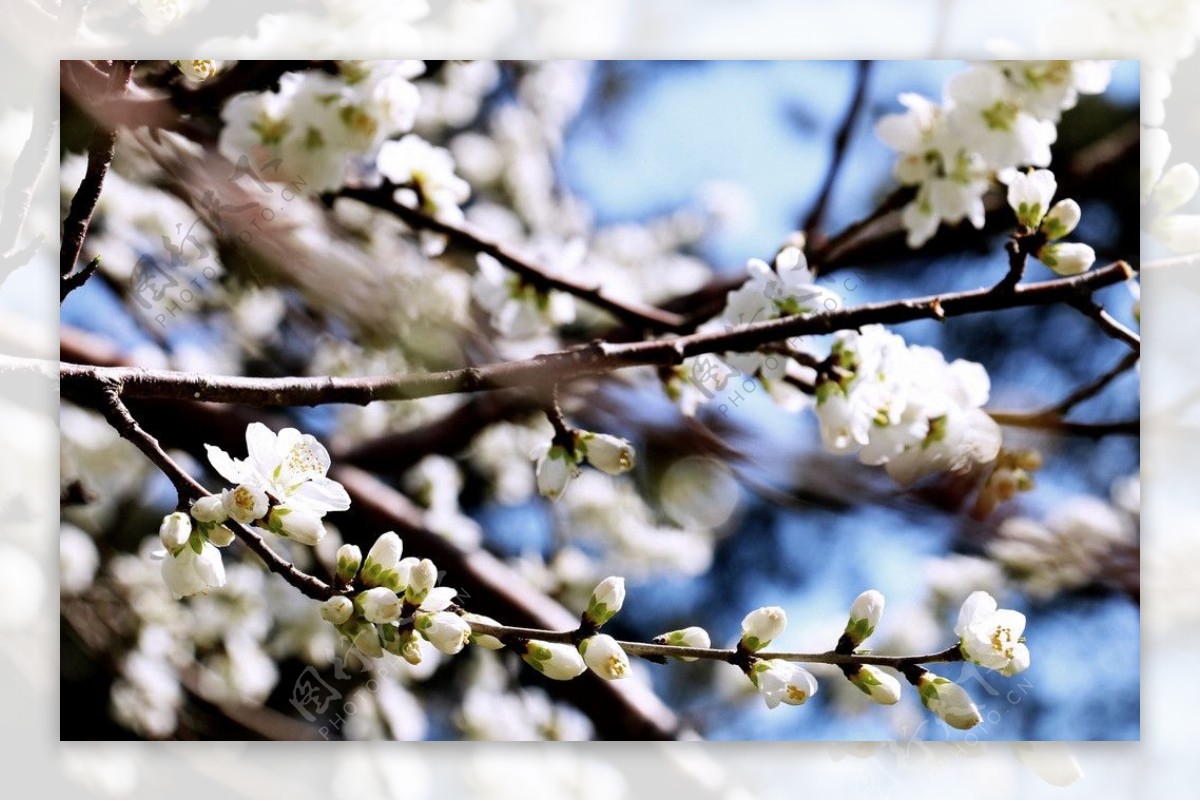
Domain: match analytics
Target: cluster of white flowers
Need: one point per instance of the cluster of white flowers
(994, 117)
(1029, 195)
(517, 309)
(904, 407)
(317, 126)
(281, 488)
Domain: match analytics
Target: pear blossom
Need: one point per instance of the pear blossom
(347, 561)
(301, 525)
(761, 626)
(553, 660)
(1061, 219)
(555, 469)
(421, 578)
(992, 637)
(1029, 195)
(425, 175)
(194, 568)
(1067, 258)
(382, 560)
(380, 605)
(488, 641)
(607, 599)
(605, 657)
(865, 613)
(245, 503)
(337, 610)
(948, 701)
(218, 534)
(690, 637)
(199, 70)
(611, 454)
(209, 509)
(446, 631)
(880, 687)
(289, 466)
(780, 681)
(988, 119)
(175, 531)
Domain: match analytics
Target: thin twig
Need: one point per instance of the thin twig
(100, 155)
(70, 283)
(593, 359)
(1093, 388)
(1056, 424)
(467, 238)
(1108, 324)
(731, 655)
(841, 141)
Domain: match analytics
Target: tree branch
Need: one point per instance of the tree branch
(543, 371)
(100, 155)
(467, 238)
(1108, 324)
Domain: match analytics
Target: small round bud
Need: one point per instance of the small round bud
(337, 610)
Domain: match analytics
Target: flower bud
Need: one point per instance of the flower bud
(691, 637)
(383, 556)
(410, 648)
(606, 600)
(337, 610)
(948, 701)
(865, 613)
(1029, 196)
(300, 525)
(1062, 219)
(611, 454)
(555, 469)
(380, 605)
(761, 626)
(245, 503)
(209, 509)
(348, 560)
(1067, 258)
(366, 641)
(605, 657)
(446, 631)
(174, 531)
(488, 641)
(421, 579)
(880, 687)
(780, 681)
(554, 660)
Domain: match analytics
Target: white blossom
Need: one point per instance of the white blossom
(347, 561)
(1067, 258)
(337, 610)
(518, 310)
(245, 503)
(865, 614)
(487, 641)
(301, 525)
(78, 559)
(992, 637)
(421, 578)
(780, 681)
(380, 605)
(761, 626)
(690, 637)
(446, 631)
(605, 657)
(880, 687)
(611, 454)
(1061, 219)
(199, 70)
(1029, 195)
(948, 701)
(607, 599)
(553, 660)
(193, 570)
(175, 531)
(209, 509)
(555, 469)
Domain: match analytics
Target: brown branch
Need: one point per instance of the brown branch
(1093, 388)
(1055, 423)
(1108, 324)
(543, 371)
(100, 155)
(466, 237)
(816, 216)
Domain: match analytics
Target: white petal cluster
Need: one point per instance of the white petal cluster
(783, 682)
(315, 125)
(426, 177)
(1029, 195)
(992, 637)
(994, 117)
(555, 466)
(282, 482)
(904, 406)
